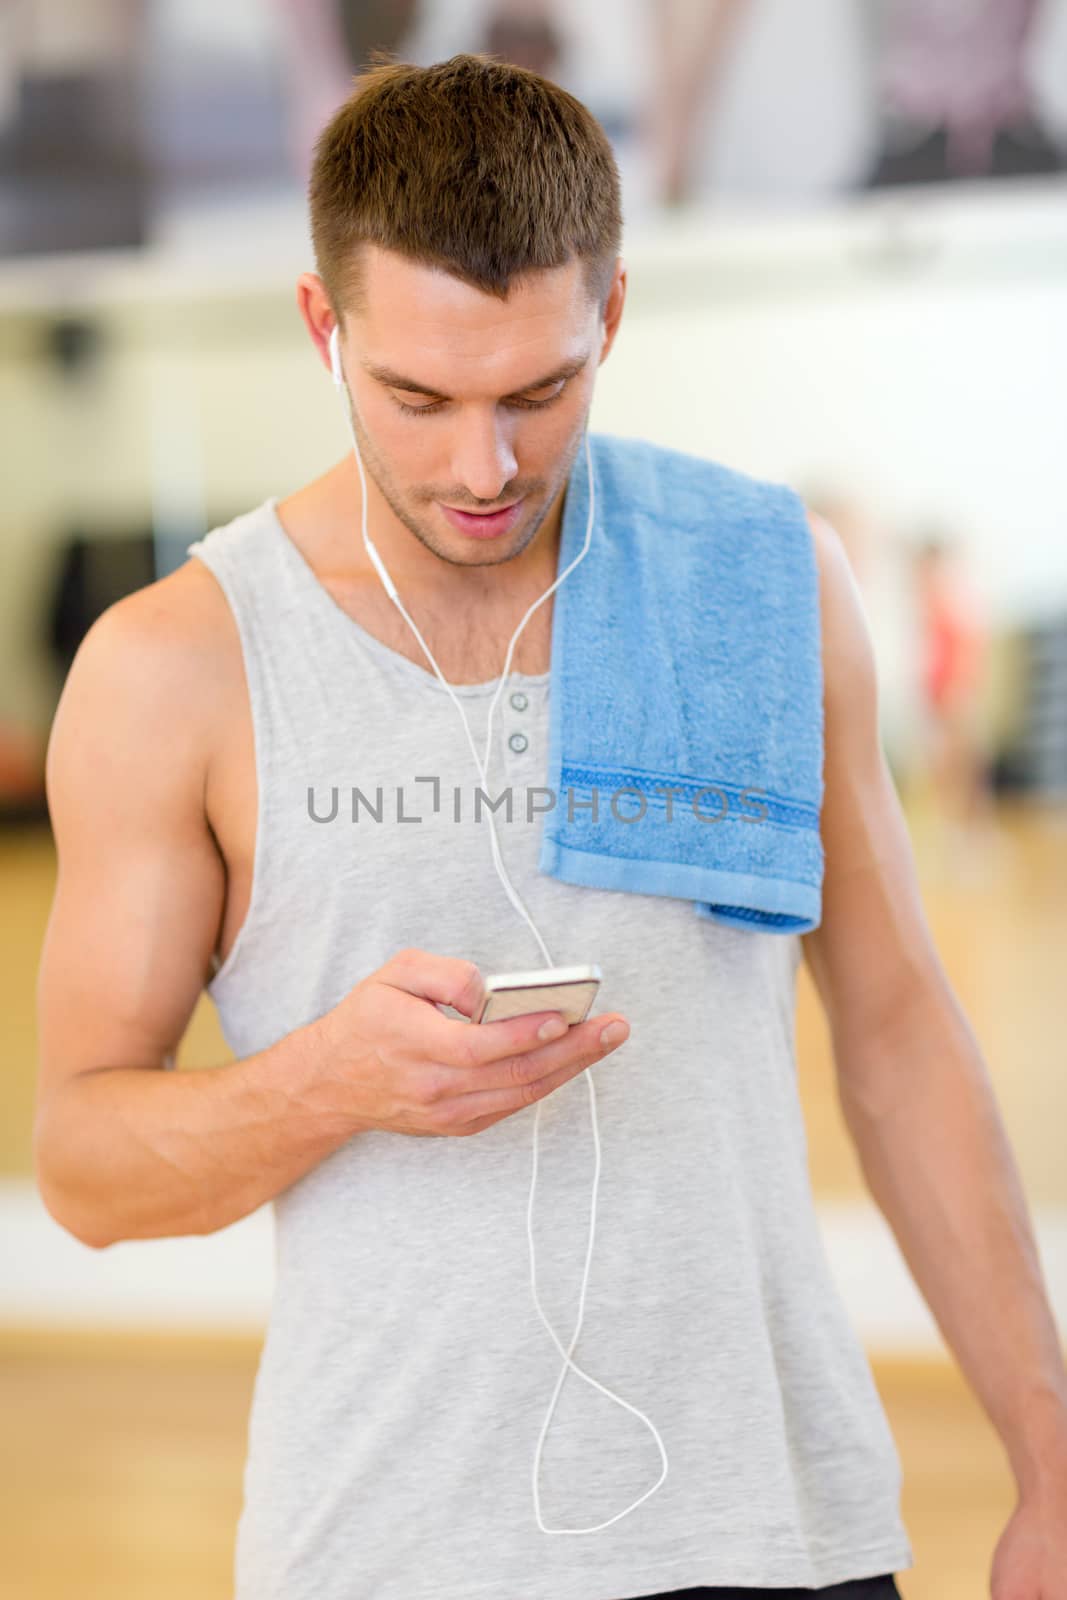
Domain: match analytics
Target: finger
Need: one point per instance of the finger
(465, 1047)
(518, 1082)
(446, 980)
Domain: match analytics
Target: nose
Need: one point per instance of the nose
(483, 460)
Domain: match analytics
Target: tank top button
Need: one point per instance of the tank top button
(519, 700)
(518, 742)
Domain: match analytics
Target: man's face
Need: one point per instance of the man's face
(463, 401)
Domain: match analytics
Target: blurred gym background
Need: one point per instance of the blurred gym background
(847, 248)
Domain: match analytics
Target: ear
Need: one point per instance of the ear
(613, 306)
(317, 312)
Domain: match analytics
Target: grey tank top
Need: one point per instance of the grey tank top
(405, 1374)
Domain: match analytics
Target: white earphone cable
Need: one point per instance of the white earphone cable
(482, 766)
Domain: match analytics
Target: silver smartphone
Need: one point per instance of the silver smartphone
(569, 990)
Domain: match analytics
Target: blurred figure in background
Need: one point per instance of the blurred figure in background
(953, 77)
(325, 43)
(526, 33)
(694, 41)
(954, 652)
(369, 25)
(74, 170)
(957, 94)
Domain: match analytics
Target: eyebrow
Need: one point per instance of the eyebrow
(396, 380)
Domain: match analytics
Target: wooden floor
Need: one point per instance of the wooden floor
(121, 1472)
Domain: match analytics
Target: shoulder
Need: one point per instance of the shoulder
(848, 655)
(148, 681)
(163, 641)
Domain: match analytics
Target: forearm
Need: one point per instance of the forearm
(922, 1113)
(140, 1153)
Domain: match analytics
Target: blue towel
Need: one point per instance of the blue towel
(686, 715)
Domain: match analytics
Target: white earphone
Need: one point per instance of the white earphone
(335, 356)
(339, 379)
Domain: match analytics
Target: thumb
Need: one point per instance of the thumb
(445, 980)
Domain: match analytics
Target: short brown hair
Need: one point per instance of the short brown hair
(473, 165)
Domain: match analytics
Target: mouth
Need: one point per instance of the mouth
(482, 524)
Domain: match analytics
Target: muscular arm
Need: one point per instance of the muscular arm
(913, 1088)
(122, 1148)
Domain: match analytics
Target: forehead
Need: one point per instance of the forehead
(431, 325)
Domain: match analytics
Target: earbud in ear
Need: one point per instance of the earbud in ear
(335, 356)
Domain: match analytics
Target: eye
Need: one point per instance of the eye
(520, 404)
(536, 405)
(419, 411)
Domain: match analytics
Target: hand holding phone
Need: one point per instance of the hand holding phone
(386, 1058)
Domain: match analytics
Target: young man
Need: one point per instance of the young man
(466, 224)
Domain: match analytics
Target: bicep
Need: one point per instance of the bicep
(140, 884)
(872, 951)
